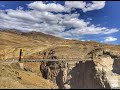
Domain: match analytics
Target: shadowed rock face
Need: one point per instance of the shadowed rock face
(116, 66)
(85, 76)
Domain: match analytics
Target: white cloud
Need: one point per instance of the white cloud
(92, 30)
(109, 39)
(83, 40)
(75, 22)
(69, 38)
(20, 14)
(75, 4)
(69, 5)
(95, 5)
(39, 5)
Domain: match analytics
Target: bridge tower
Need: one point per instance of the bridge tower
(21, 60)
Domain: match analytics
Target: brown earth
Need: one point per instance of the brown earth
(12, 77)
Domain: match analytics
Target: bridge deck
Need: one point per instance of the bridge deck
(40, 60)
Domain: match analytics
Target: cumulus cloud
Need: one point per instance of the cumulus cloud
(41, 18)
(110, 39)
(75, 4)
(39, 5)
(95, 5)
(92, 29)
(19, 14)
(56, 7)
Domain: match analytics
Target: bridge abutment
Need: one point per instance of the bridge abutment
(21, 65)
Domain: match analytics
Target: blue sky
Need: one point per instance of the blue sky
(99, 21)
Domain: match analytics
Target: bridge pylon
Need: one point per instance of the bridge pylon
(21, 59)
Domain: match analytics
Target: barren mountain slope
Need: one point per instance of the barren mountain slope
(37, 43)
(10, 43)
